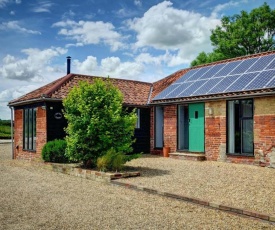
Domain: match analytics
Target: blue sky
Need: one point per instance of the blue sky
(142, 40)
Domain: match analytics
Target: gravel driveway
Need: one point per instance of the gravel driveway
(237, 185)
(33, 198)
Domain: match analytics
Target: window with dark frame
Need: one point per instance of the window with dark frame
(138, 119)
(29, 125)
(240, 133)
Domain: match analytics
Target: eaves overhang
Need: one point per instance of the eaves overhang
(35, 100)
(214, 97)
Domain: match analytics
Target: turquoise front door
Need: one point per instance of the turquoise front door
(196, 127)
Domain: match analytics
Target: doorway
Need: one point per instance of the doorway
(191, 127)
(159, 122)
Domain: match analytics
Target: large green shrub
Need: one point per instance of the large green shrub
(54, 151)
(114, 161)
(97, 122)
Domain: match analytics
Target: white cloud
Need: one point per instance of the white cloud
(10, 94)
(3, 3)
(166, 28)
(138, 2)
(217, 9)
(15, 25)
(33, 67)
(12, 13)
(88, 66)
(113, 67)
(89, 32)
(43, 7)
(110, 66)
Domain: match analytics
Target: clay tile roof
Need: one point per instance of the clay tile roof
(135, 92)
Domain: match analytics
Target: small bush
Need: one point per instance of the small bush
(114, 161)
(54, 151)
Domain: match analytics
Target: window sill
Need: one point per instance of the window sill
(239, 155)
(30, 150)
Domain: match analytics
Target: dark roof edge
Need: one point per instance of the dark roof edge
(42, 99)
(216, 97)
(60, 100)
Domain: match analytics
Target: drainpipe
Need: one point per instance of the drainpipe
(12, 143)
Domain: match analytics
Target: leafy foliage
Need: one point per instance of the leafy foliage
(243, 34)
(97, 122)
(54, 151)
(5, 129)
(114, 161)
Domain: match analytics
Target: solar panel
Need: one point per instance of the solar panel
(271, 65)
(247, 74)
(186, 76)
(228, 68)
(199, 73)
(261, 63)
(241, 82)
(244, 65)
(212, 71)
(192, 88)
(271, 83)
(261, 80)
(207, 86)
(165, 92)
(223, 84)
(179, 90)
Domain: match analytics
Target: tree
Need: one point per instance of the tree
(97, 121)
(238, 35)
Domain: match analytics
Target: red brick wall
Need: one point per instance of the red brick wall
(41, 135)
(215, 129)
(170, 127)
(264, 128)
(170, 130)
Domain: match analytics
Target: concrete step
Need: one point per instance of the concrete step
(188, 156)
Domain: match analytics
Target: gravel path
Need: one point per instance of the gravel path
(33, 198)
(237, 185)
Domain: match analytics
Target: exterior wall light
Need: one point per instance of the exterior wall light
(210, 111)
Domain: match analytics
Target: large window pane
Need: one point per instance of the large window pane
(34, 129)
(29, 139)
(30, 129)
(159, 127)
(247, 136)
(231, 127)
(26, 125)
(247, 108)
(240, 127)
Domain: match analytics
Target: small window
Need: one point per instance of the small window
(29, 137)
(138, 119)
(196, 114)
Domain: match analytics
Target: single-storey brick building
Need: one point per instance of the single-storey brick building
(38, 116)
(220, 111)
